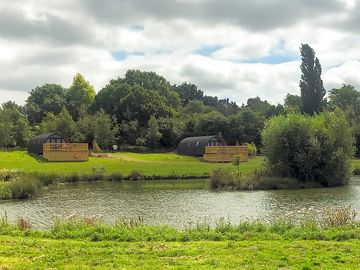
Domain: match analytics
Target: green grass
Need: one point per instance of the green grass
(125, 163)
(90, 244)
(37, 253)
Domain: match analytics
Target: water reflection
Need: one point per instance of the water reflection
(173, 203)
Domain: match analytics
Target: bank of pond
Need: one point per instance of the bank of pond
(24, 185)
(88, 243)
(175, 203)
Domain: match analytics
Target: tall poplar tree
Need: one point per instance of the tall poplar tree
(311, 84)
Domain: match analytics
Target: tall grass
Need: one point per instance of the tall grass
(20, 185)
(15, 185)
(259, 179)
(332, 224)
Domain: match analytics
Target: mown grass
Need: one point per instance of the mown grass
(129, 244)
(124, 163)
(39, 253)
(22, 175)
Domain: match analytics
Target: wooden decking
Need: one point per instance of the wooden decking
(225, 153)
(66, 151)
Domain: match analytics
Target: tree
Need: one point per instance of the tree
(136, 97)
(84, 131)
(15, 129)
(154, 135)
(347, 98)
(188, 92)
(130, 131)
(171, 130)
(292, 103)
(311, 84)
(48, 98)
(140, 104)
(79, 96)
(195, 106)
(154, 83)
(212, 123)
(237, 161)
(105, 129)
(6, 127)
(317, 149)
(61, 123)
(65, 125)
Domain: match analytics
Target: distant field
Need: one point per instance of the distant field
(148, 164)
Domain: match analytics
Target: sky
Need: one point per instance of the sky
(229, 48)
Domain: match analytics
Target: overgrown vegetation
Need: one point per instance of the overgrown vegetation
(337, 224)
(260, 179)
(310, 149)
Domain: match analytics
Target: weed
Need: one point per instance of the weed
(335, 217)
(23, 224)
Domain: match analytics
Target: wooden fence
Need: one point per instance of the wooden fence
(225, 153)
(66, 151)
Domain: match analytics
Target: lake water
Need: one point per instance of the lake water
(173, 203)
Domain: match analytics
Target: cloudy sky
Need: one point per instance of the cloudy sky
(229, 48)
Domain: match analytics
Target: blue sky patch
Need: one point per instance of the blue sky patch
(121, 55)
(208, 50)
(136, 27)
(277, 55)
(273, 59)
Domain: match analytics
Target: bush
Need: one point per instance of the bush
(316, 149)
(222, 178)
(251, 149)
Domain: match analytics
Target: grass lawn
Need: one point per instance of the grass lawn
(148, 164)
(43, 253)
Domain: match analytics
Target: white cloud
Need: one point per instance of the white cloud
(49, 41)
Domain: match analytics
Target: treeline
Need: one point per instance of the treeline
(143, 109)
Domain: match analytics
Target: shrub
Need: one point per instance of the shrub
(316, 149)
(221, 178)
(252, 150)
(24, 187)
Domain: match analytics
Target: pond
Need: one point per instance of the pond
(175, 203)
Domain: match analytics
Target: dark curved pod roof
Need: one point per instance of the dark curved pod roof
(36, 144)
(195, 146)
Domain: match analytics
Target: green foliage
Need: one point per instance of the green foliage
(154, 135)
(237, 161)
(79, 96)
(311, 84)
(292, 103)
(189, 92)
(252, 150)
(15, 185)
(14, 127)
(347, 98)
(211, 123)
(62, 123)
(105, 129)
(48, 98)
(318, 148)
